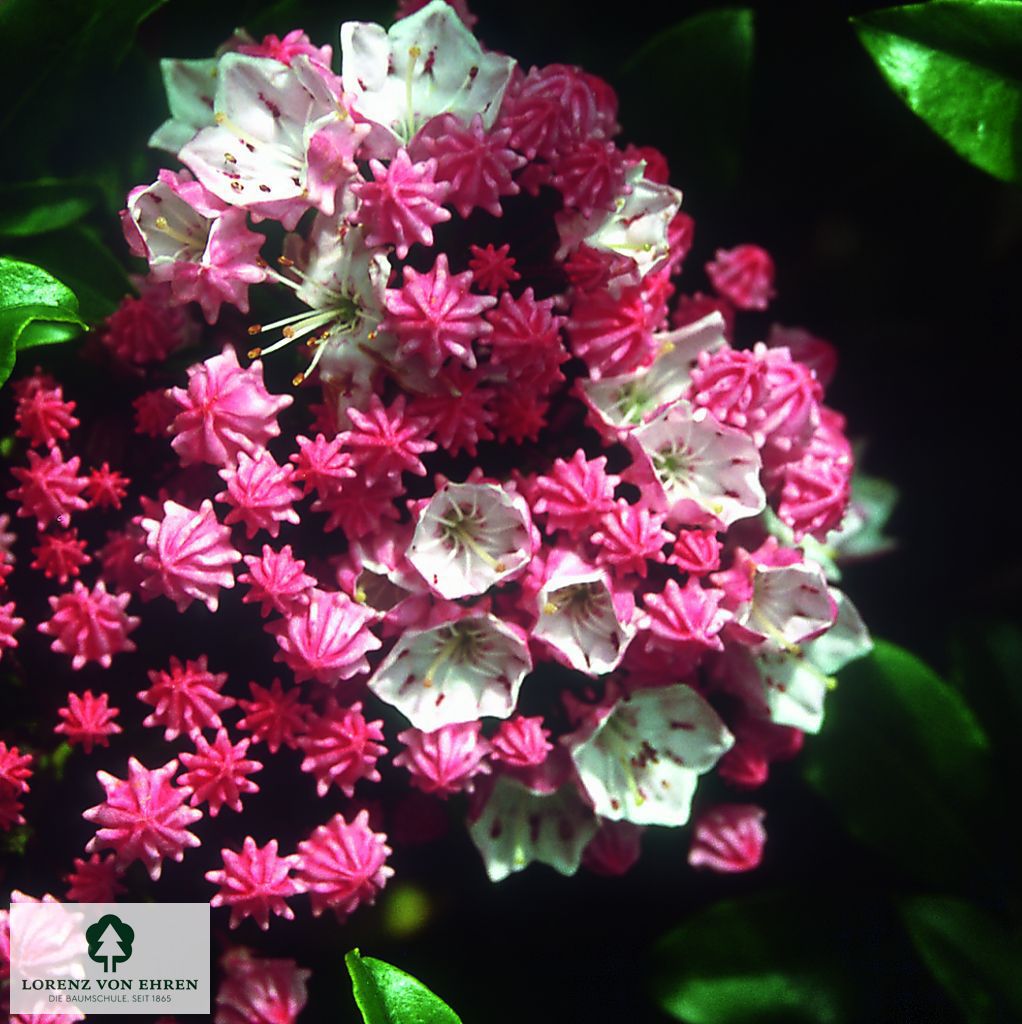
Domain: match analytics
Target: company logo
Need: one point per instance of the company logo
(110, 941)
(108, 958)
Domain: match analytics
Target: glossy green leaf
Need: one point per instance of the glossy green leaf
(387, 995)
(976, 959)
(958, 65)
(905, 765)
(35, 309)
(36, 207)
(774, 957)
(692, 82)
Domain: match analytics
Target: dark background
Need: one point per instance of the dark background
(887, 244)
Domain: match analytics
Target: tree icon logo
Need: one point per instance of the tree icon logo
(110, 942)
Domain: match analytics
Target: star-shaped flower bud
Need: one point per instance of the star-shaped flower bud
(445, 760)
(43, 417)
(344, 865)
(186, 698)
(50, 488)
(387, 441)
(88, 720)
(436, 316)
(94, 880)
(743, 275)
(276, 716)
(327, 639)
(341, 748)
(427, 64)
(586, 624)
(521, 742)
(9, 625)
(255, 883)
(90, 625)
(469, 537)
(143, 817)
(260, 492)
(402, 203)
(697, 470)
(728, 838)
(689, 617)
(630, 537)
(642, 759)
(455, 672)
(224, 410)
(276, 580)
(189, 555)
(218, 772)
(256, 988)
(476, 164)
(516, 827)
(615, 849)
(576, 494)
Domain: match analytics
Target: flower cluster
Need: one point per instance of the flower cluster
(529, 529)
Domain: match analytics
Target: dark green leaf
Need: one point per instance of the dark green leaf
(905, 765)
(700, 70)
(973, 956)
(958, 65)
(35, 309)
(78, 257)
(986, 660)
(776, 957)
(387, 995)
(48, 56)
(35, 207)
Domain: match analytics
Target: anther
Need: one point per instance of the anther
(254, 353)
(255, 329)
(297, 379)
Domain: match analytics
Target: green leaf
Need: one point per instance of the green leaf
(35, 309)
(905, 765)
(986, 667)
(774, 957)
(700, 71)
(970, 954)
(78, 257)
(74, 37)
(958, 65)
(387, 995)
(35, 207)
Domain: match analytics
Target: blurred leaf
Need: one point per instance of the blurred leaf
(387, 995)
(958, 65)
(35, 207)
(35, 309)
(905, 765)
(986, 666)
(49, 56)
(776, 957)
(77, 256)
(700, 70)
(970, 954)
